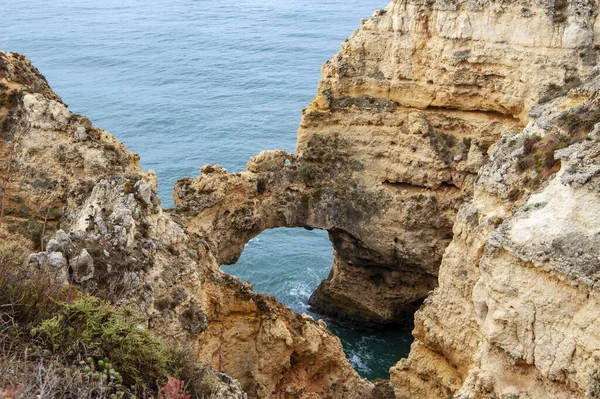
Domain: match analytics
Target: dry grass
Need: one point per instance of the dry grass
(58, 343)
(17, 132)
(27, 295)
(30, 376)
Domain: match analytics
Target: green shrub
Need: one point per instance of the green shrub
(307, 172)
(104, 331)
(81, 343)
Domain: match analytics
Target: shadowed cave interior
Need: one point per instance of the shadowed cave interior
(289, 263)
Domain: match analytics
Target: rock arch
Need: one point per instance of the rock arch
(392, 143)
(388, 237)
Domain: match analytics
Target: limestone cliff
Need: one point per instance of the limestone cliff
(452, 133)
(516, 312)
(421, 91)
(390, 147)
(450, 145)
(74, 190)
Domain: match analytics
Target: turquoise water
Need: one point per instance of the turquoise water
(187, 82)
(290, 264)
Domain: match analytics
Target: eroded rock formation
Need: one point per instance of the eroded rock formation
(418, 100)
(390, 146)
(76, 191)
(451, 144)
(516, 312)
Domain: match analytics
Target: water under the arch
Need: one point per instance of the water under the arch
(191, 82)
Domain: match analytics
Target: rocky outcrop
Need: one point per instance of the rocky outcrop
(75, 191)
(389, 162)
(231, 209)
(451, 144)
(515, 314)
(421, 91)
(390, 147)
(50, 157)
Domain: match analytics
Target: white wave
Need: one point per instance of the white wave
(358, 363)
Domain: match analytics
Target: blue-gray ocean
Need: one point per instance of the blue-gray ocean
(191, 82)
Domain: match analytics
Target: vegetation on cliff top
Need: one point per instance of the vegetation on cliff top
(58, 342)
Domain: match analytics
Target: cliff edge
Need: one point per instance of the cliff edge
(450, 152)
(80, 202)
(435, 130)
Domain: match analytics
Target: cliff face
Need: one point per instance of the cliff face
(76, 191)
(516, 310)
(487, 56)
(390, 146)
(452, 133)
(451, 144)
(422, 91)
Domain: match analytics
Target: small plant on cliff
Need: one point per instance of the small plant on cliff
(579, 122)
(529, 142)
(35, 229)
(174, 389)
(594, 391)
(9, 99)
(105, 332)
(538, 152)
(129, 187)
(317, 194)
(307, 172)
(12, 392)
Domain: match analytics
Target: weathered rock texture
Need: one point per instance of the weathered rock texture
(516, 312)
(417, 101)
(390, 146)
(460, 133)
(78, 193)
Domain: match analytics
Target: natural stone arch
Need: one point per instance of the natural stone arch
(385, 276)
(391, 145)
(287, 263)
(384, 181)
(142, 257)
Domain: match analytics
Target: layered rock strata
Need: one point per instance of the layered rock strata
(419, 98)
(516, 312)
(74, 190)
(454, 133)
(389, 148)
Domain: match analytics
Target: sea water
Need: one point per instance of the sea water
(290, 264)
(191, 82)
